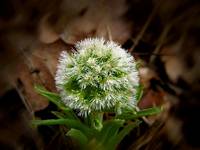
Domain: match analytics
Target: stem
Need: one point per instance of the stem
(96, 120)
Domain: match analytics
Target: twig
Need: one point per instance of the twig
(160, 41)
(144, 28)
(109, 33)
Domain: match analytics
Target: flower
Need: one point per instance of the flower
(99, 76)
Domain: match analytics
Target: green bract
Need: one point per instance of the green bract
(99, 76)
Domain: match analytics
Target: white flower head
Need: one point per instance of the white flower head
(99, 76)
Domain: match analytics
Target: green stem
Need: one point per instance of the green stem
(96, 120)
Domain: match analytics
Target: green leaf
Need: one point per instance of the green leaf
(58, 114)
(70, 123)
(52, 97)
(139, 93)
(138, 64)
(78, 135)
(115, 140)
(49, 122)
(110, 129)
(69, 113)
(149, 111)
(128, 115)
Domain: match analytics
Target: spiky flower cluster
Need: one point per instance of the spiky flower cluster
(99, 76)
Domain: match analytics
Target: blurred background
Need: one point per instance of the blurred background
(164, 36)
